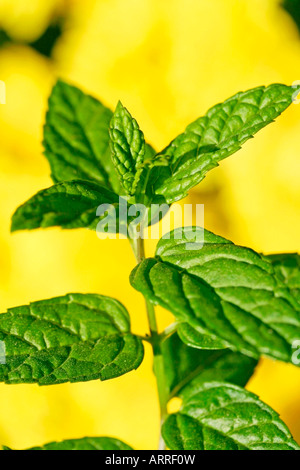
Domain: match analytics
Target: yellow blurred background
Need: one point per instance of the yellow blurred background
(168, 61)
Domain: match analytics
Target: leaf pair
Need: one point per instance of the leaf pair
(98, 155)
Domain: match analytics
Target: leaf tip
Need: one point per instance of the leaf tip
(119, 107)
(14, 224)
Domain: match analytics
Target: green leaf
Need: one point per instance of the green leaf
(194, 339)
(287, 268)
(72, 204)
(220, 416)
(128, 148)
(184, 365)
(76, 138)
(223, 290)
(217, 135)
(74, 338)
(86, 443)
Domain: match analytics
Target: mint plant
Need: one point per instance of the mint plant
(231, 305)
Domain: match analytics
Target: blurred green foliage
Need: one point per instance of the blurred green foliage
(44, 44)
(293, 8)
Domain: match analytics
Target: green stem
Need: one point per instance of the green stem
(138, 247)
